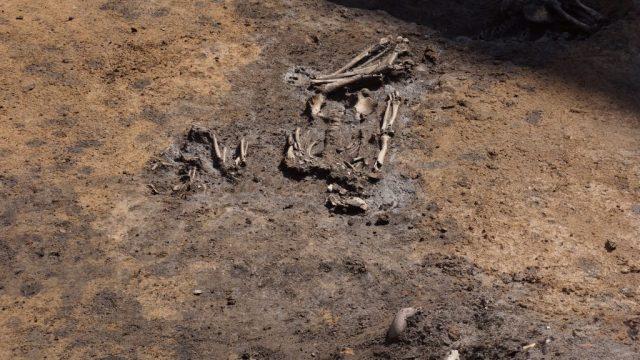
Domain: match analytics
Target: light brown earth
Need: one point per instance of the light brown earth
(514, 163)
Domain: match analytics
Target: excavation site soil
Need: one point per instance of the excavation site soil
(216, 179)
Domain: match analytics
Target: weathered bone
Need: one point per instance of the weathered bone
(391, 113)
(373, 62)
(290, 147)
(399, 323)
(310, 148)
(557, 7)
(348, 204)
(365, 104)
(296, 139)
(340, 83)
(216, 148)
(386, 129)
(383, 152)
(241, 157)
(315, 104)
(591, 12)
(383, 44)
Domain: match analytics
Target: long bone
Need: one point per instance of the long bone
(557, 7)
(383, 45)
(386, 128)
(220, 154)
(372, 63)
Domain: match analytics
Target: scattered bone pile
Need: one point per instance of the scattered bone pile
(199, 153)
(350, 135)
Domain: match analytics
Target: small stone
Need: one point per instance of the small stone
(610, 245)
(197, 292)
(28, 87)
(383, 219)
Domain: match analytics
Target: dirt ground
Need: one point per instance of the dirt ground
(509, 209)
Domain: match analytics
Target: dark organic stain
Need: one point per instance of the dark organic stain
(81, 145)
(34, 143)
(160, 12)
(126, 9)
(30, 289)
(8, 215)
(355, 266)
(141, 84)
(534, 117)
(154, 115)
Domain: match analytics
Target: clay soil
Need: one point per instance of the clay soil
(509, 209)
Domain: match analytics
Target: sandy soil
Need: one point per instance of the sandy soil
(509, 210)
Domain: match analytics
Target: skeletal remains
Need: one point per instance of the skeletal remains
(201, 152)
(350, 166)
(374, 63)
(573, 13)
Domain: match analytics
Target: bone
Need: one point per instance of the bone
(365, 104)
(216, 149)
(383, 152)
(453, 355)
(296, 139)
(244, 148)
(349, 204)
(363, 55)
(241, 158)
(589, 11)
(315, 104)
(290, 147)
(570, 19)
(391, 113)
(373, 62)
(310, 148)
(399, 324)
(340, 83)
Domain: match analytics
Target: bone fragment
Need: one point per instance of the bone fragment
(216, 149)
(315, 104)
(347, 203)
(365, 104)
(399, 323)
(290, 141)
(244, 147)
(340, 83)
(453, 355)
(363, 55)
(383, 152)
(296, 139)
(591, 12)
(555, 5)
